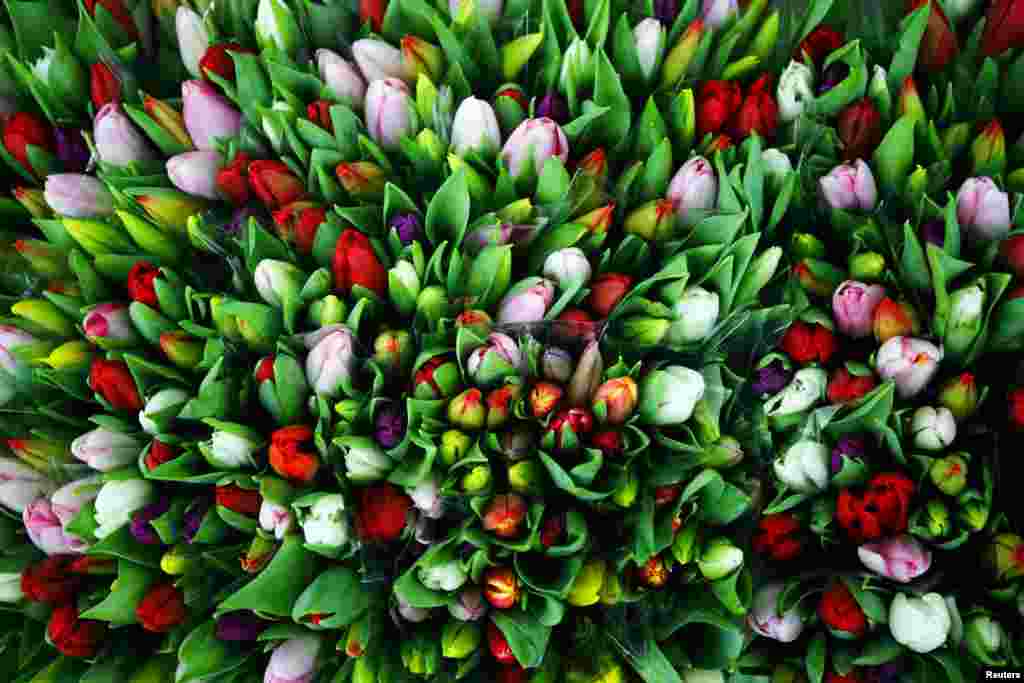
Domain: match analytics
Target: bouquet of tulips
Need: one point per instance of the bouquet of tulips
(508, 340)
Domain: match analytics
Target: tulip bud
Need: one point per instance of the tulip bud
(117, 501)
(719, 559)
(949, 474)
(475, 128)
(578, 64)
(437, 378)
(988, 152)
(894, 319)
(278, 282)
(277, 28)
(501, 587)
(655, 221)
(649, 37)
(467, 410)
(795, 91)
(854, 304)
(196, 173)
(331, 360)
(910, 362)
(505, 515)
(536, 140)
(867, 265)
(117, 141)
(939, 43)
(21, 485)
(460, 639)
(78, 196)
(696, 314)
(901, 558)
(850, 187)
(404, 287)
(544, 398)
(109, 326)
(606, 291)
(933, 428)
(379, 61)
(209, 116)
(556, 364)
(777, 168)
(982, 209)
(527, 301)
(681, 56)
(294, 660)
(668, 396)
(966, 307)
(693, 190)
(192, 38)
(586, 589)
(764, 617)
(920, 624)
(1004, 557)
(960, 396)
(499, 359)
(615, 400)
(804, 467)
(986, 640)
(343, 80)
(362, 179)
(390, 113)
(181, 349)
(161, 410)
(394, 350)
(860, 129)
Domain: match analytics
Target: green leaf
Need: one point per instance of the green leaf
(912, 29)
(879, 651)
(814, 662)
(274, 590)
(527, 638)
(448, 212)
(913, 264)
(122, 545)
(337, 594)
(204, 657)
(118, 607)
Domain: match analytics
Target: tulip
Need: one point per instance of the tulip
(113, 381)
(1016, 401)
(365, 461)
(331, 362)
(777, 168)
(294, 660)
(795, 91)
(615, 400)
(277, 28)
(44, 528)
(933, 428)
(24, 130)
(193, 40)
(33, 201)
(217, 60)
(276, 519)
(459, 639)
(860, 129)
(77, 195)
(447, 576)
(118, 500)
(758, 112)
(804, 467)
(719, 559)
(356, 263)
(379, 61)
(196, 173)
(489, 9)
(72, 636)
(694, 188)
(278, 282)
(578, 64)
(527, 301)
(390, 115)
(104, 85)
(716, 104)
(475, 128)
(696, 313)
(105, 450)
(919, 624)
(606, 291)
(988, 152)
(159, 453)
(649, 37)
(850, 187)
(939, 44)
(982, 209)
(501, 587)
(20, 485)
(718, 12)
(1005, 557)
(669, 396)
(765, 619)
(894, 319)
(292, 454)
(901, 558)
(326, 524)
(382, 513)
(854, 304)
(566, 266)
(494, 362)
(67, 501)
(426, 497)
(162, 608)
(117, 141)
(394, 350)
(470, 605)
(438, 377)
(681, 56)
(209, 116)
(960, 395)
(556, 364)
(986, 640)
(966, 307)
(1012, 252)
(505, 515)
(1003, 27)
(908, 361)
(537, 139)
(233, 182)
(232, 449)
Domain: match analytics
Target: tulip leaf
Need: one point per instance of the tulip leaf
(527, 638)
(118, 607)
(448, 212)
(814, 662)
(648, 661)
(879, 651)
(537, 572)
(409, 588)
(274, 590)
(612, 128)
(202, 656)
(734, 591)
(912, 30)
(336, 595)
(950, 663)
(564, 481)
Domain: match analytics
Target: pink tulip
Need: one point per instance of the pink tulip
(45, 530)
(293, 661)
(853, 305)
(390, 114)
(850, 186)
(196, 172)
(693, 188)
(909, 362)
(901, 558)
(109, 325)
(765, 620)
(527, 301)
(208, 115)
(536, 139)
(118, 142)
(342, 78)
(983, 209)
(67, 501)
(21, 484)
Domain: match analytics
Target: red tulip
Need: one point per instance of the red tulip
(1012, 251)
(778, 537)
(112, 380)
(819, 44)
(939, 44)
(159, 453)
(840, 611)
(716, 104)
(162, 608)
(809, 343)
(845, 387)
(1004, 27)
(609, 443)
(243, 501)
(606, 291)
(233, 180)
(653, 573)
(104, 85)
(860, 129)
(759, 112)
(552, 531)
(275, 184)
(218, 60)
(298, 223)
(51, 580)
(501, 587)
(382, 512)
(72, 636)
(319, 112)
(140, 283)
(119, 12)
(505, 515)
(1017, 408)
(373, 11)
(24, 129)
(498, 645)
(356, 263)
(292, 454)
(881, 509)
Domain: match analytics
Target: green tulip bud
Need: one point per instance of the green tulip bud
(719, 559)
(986, 640)
(526, 477)
(644, 331)
(625, 495)
(868, 266)
(960, 396)
(327, 311)
(46, 316)
(988, 152)
(477, 480)
(454, 446)
(460, 639)
(973, 511)
(432, 303)
(949, 474)
(467, 410)
(394, 350)
(936, 518)
(805, 245)
(685, 544)
(586, 589)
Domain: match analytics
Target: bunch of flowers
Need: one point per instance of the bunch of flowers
(389, 340)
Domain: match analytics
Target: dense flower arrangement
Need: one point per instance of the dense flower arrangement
(510, 340)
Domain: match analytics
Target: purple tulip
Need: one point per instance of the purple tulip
(983, 209)
(850, 186)
(717, 12)
(833, 76)
(77, 195)
(771, 379)
(389, 112)
(554, 107)
(389, 425)
(498, 235)
(537, 140)
(141, 527)
(408, 227)
(196, 172)
(849, 446)
(853, 305)
(666, 11)
(241, 626)
(72, 151)
(934, 232)
(118, 142)
(194, 516)
(240, 218)
(208, 115)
